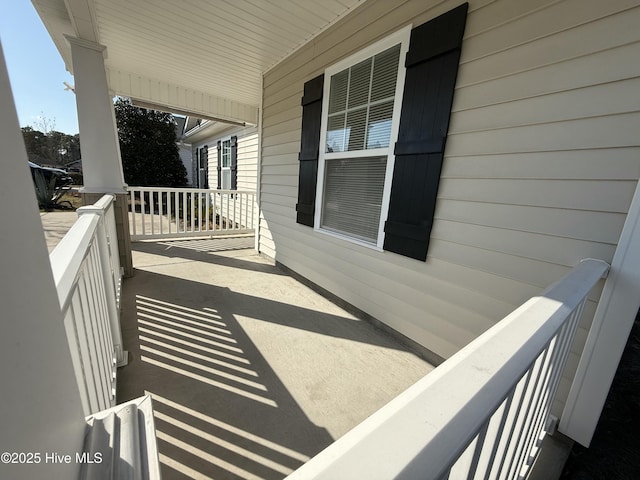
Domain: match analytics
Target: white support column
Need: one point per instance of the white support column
(40, 409)
(101, 163)
(608, 335)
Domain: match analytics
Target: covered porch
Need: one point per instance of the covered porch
(251, 372)
(222, 354)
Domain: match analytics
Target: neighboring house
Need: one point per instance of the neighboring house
(184, 149)
(224, 157)
(75, 166)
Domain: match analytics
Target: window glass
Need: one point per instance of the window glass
(226, 179)
(225, 163)
(379, 126)
(355, 129)
(339, 86)
(385, 69)
(360, 83)
(226, 153)
(352, 197)
(336, 133)
(361, 101)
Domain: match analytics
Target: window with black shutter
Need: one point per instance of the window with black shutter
(383, 128)
(200, 167)
(228, 164)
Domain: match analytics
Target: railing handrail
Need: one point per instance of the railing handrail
(67, 257)
(426, 429)
(87, 277)
(188, 190)
(165, 213)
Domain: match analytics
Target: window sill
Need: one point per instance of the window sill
(348, 239)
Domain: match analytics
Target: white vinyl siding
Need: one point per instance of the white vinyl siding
(186, 157)
(247, 159)
(540, 164)
(247, 156)
(247, 163)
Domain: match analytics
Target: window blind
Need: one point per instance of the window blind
(352, 197)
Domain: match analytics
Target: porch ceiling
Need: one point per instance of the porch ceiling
(201, 57)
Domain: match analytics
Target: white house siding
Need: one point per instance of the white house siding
(247, 159)
(247, 155)
(185, 157)
(541, 162)
(247, 166)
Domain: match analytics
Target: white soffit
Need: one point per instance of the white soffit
(201, 56)
(205, 131)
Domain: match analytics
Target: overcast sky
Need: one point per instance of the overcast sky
(36, 70)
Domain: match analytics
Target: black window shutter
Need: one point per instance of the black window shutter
(204, 152)
(431, 69)
(219, 168)
(234, 163)
(309, 150)
(194, 167)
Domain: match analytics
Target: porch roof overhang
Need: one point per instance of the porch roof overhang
(201, 58)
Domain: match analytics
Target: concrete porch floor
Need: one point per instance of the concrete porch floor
(55, 226)
(252, 373)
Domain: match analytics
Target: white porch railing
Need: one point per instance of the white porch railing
(87, 274)
(183, 212)
(482, 414)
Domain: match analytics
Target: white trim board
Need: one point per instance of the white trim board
(608, 335)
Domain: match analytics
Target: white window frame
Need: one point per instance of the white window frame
(400, 37)
(222, 167)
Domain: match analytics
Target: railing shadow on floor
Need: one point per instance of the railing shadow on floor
(215, 251)
(222, 409)
(484, 412)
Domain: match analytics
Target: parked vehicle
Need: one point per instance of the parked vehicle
(50, 184)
